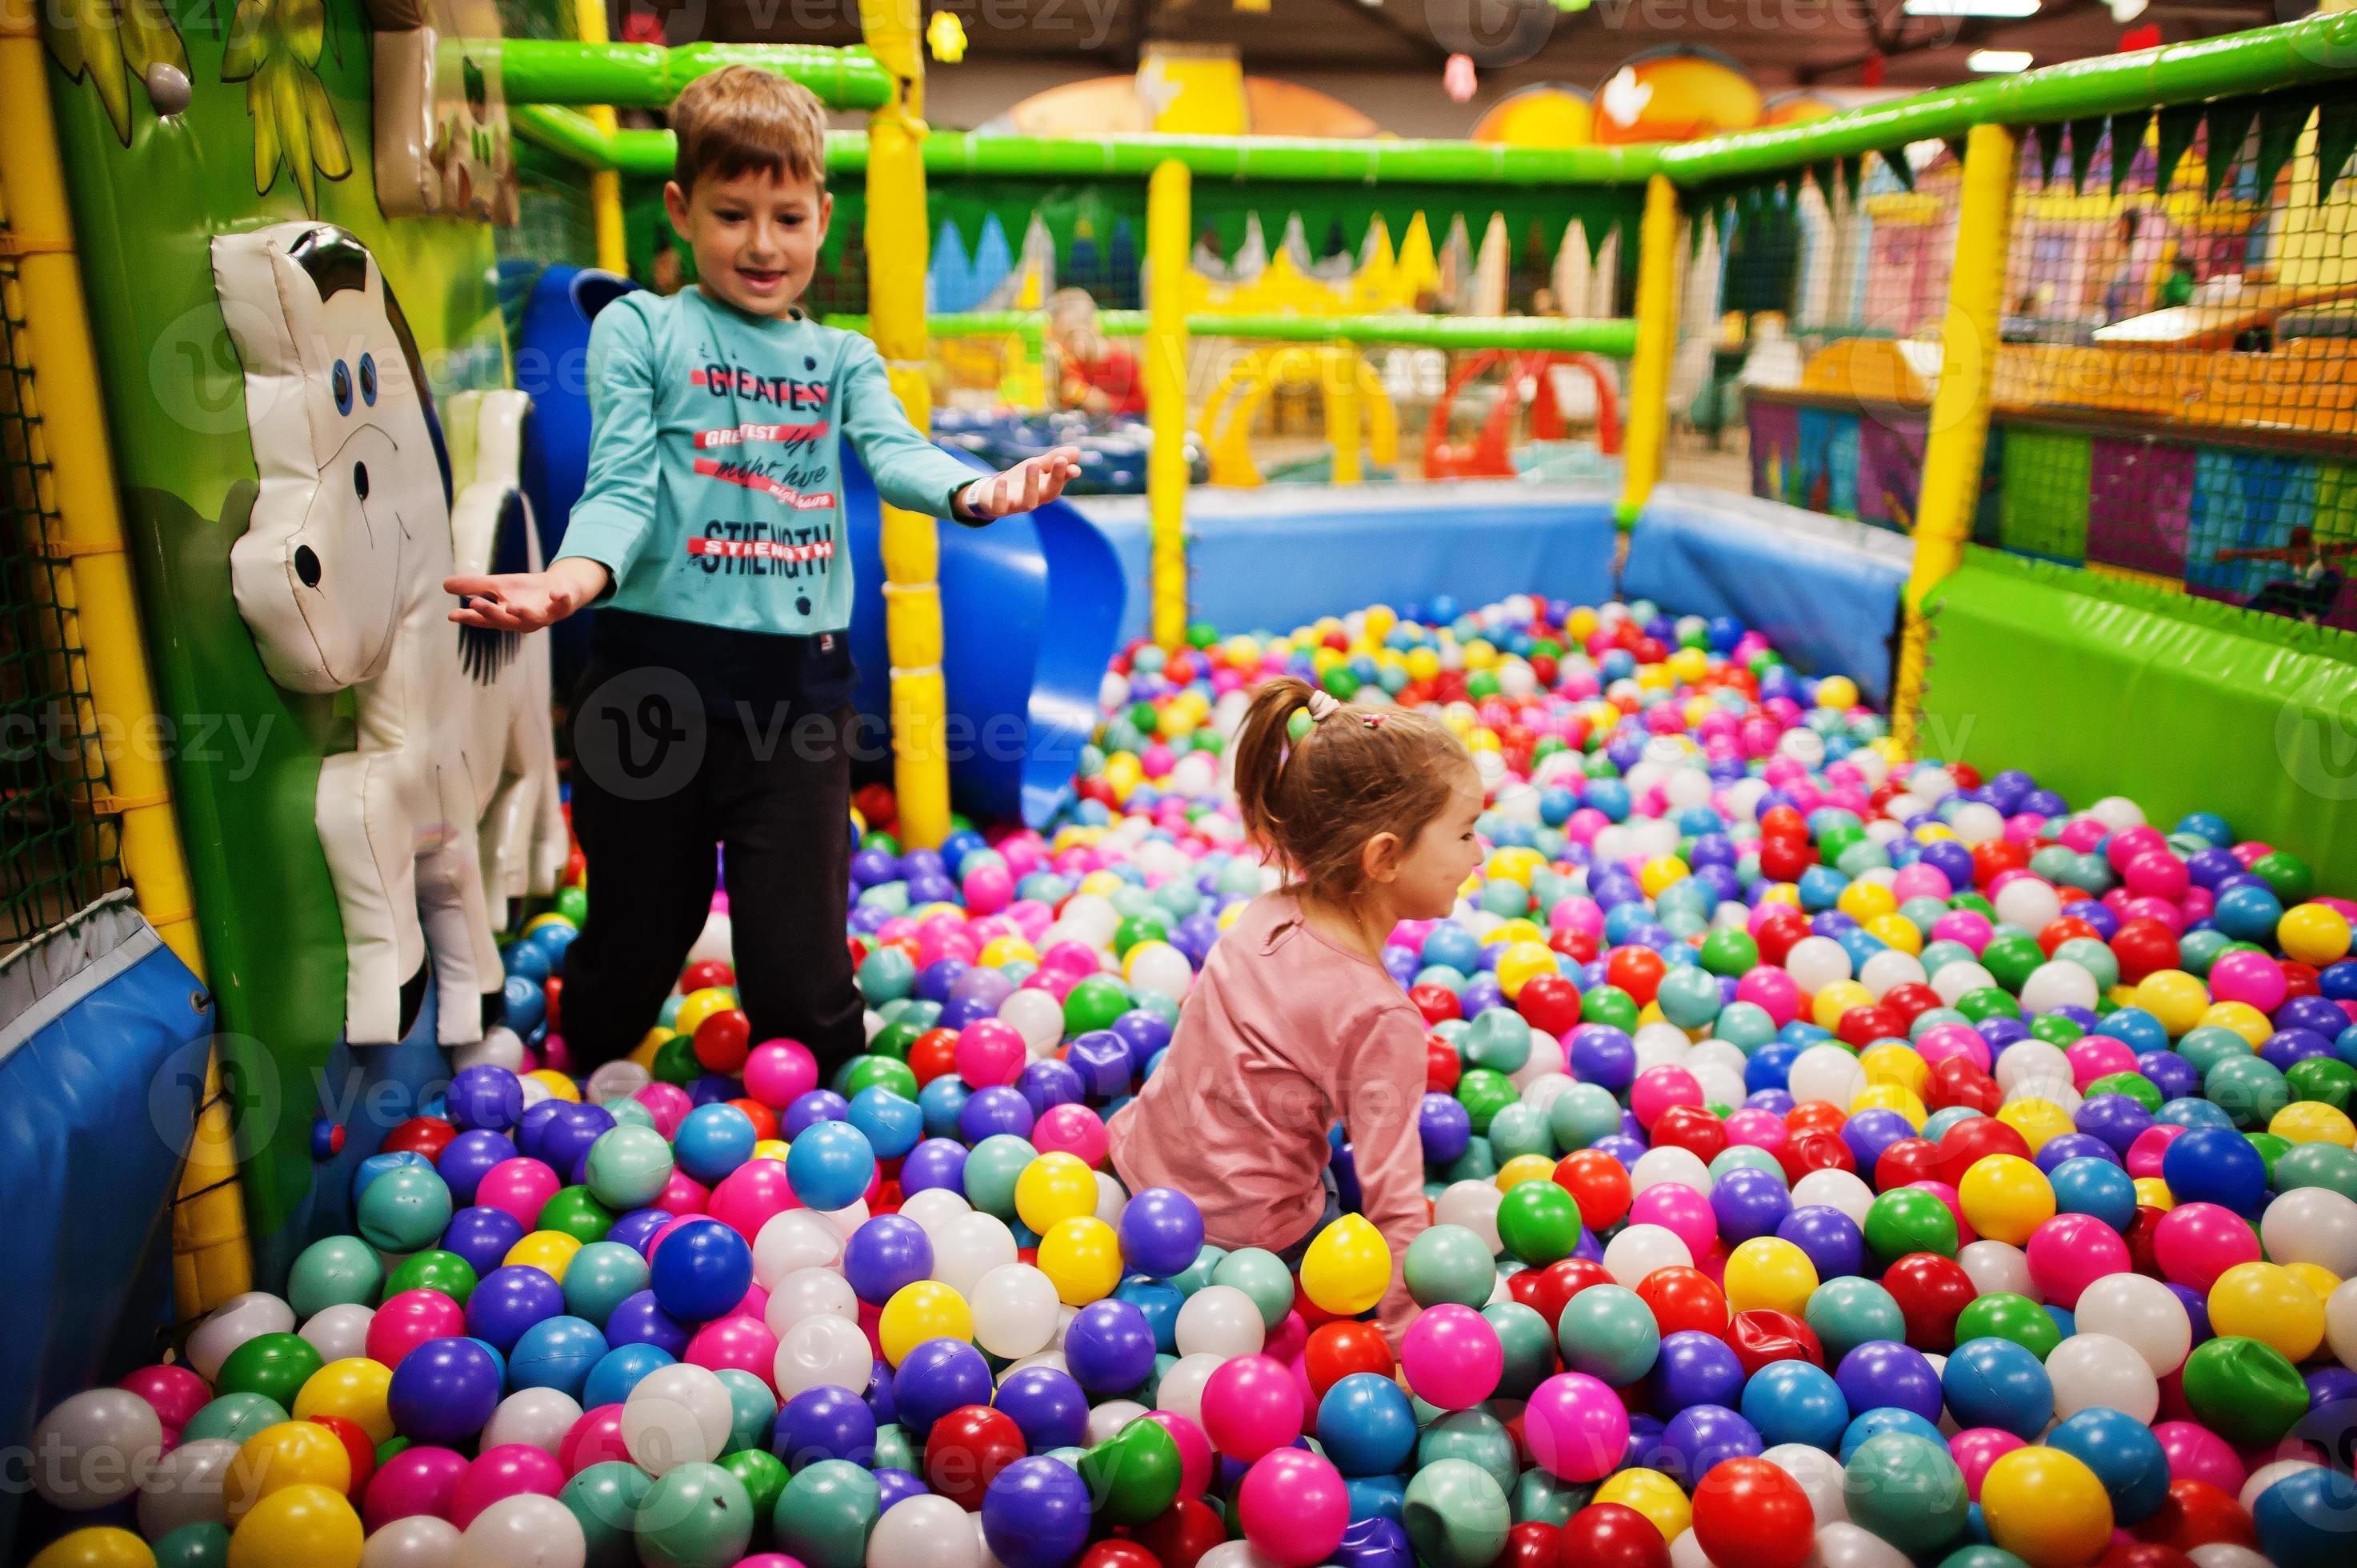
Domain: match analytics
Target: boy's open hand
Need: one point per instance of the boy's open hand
(1033, 482)
(526, 601)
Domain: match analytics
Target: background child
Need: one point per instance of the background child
(713, 710)
(1095, 376)
(1294, 1025)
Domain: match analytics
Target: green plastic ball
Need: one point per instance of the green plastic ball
(601, 1277)
(2250, 1393)
(675, 1062)
(1094, 1004)
(1608, 1004)
(1135, 1473)
(696, 1516)
(1449, 1264)
(1910, 1219)
(1608, 1332)
(274, 1366)
(825, 1514)
(575, 1212)
(1581, 1115)
(1542, 1498)
(1986, 1002)
(200, 1546)
(1727, 951)
(1478, 1438)
(894, 1039)
(1519, 1129)
(1539, 1222)
(1484, 1093)
(1529, 1346)
(334, 1271)
(234, 1416)
(2134, 1085)
(1261, 1275)
(2327, 1078)
(605, 1499)
(872, 1071)
(2004, 1316)
(1849, 1311)
(763, 1475)
(991, 1167)
(2287, 874)
(627, 1167)
(572, 903)
(1499, 1040)
(1906, 1490)
(2011, 959)
(404, 1209)
(2316, 1164)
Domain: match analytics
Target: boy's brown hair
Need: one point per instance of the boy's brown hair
(742, 118)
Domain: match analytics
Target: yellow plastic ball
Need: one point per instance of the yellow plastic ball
(2038, 1121)
(2313, 1122)
(926, 1309)
(1423, 663)
(643, 1053)
(1782, 893)
(2151, 1192)
(1081, 1258)
(2240, 1018)
(1483, 738)
(1379, 619)
(1518, 930)
(1898, 931)
(1653, 677)
(2173, 997)
(1103, 884)
(558, 1085)
(1514, 862)
(1347, 1268)
(287, 1454)
(1864, 901)
(999, 951)
(1522, 1168)
(2316, 1277)
(1770, 1273)
(1581, 623)
(1521, 964)
(2046, 1508)
(1652, 1493)
(301, 1527)
(699, 1004)
(354, 1387)
(1480, 654)
(1688, 665)
(1054, 1188)
(1836, 692)
(98, 1546)
(2268, 1303)
(2004, 1198)
(550, 1252)
(2313, 933)
(1892, 1063)
(771, 1149)
(1892, 1097)
(1825, 1008)
(1661, 873)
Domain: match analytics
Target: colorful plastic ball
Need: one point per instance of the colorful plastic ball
(308, 1524)
(2046, 1508)
(1652, 1494)
(103, 1546)
(1456, 1514)
(2071, 1251)
(2124, 1455)
(1347, 1266)
(2215, 1164)
(1081, 1257)
(2303, 1519)
(1577, 1428)
(1292, 1507)
(1996, 1382)
(700, 1270)
(2095, 1369)
(1452, 1356)
(444, 1390)
(2245, 1390)
(965, 1450)
(1746, 1509)
(2267, 1303)
(1368, 1428)
(1906, 1490)
(1250, 1404)
(695, 1515)
(1770, 1273)
(404, 1209)
(1035, 1514)
(1881, 1373)
(1613, 1535)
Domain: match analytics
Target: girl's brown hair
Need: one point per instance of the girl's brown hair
(1313, 802)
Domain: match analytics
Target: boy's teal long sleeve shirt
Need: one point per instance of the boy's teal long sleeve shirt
(714, 493)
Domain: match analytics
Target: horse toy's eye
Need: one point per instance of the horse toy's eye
(368, 380)
(340, 381)
(306, 566)
(360, 481)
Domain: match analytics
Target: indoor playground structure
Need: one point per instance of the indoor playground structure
(1888, 1087)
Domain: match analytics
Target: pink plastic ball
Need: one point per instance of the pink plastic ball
(1072, 1129)
(2080, 834)
(989, 1053)
(2145, 1149)
(744, 1343)
(2156, 875)
(414, 1481)
(1576, 1427)
(668, 1103)
(1680, 1210)
(683, 1194)
(2128, 845)
(1658, 1089)
(769, 1560)
(2195, 1243)
(408, 1320)
(176, 1392)
(1969, 927)
(988, 888)
(513, 1469)
(2093, 1056)
(1941, 1041)
(750, 1196)
(1975, 1449)
(2197, 1454)
(592, 1440)
(777, 1072)
(1772, 990)
(1920, 881)
(2251, 977)
(1076, 959)
(519, 1187)
(1293, 1507)
(1194, 1451)
(1452, 1357)
(1250, 1405)
(2071, 1251)
(1757, 1128)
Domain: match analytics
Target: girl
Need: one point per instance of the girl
(1294, 1025)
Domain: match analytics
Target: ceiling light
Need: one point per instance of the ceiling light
(1998, 62)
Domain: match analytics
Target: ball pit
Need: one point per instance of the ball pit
(1833, 1159)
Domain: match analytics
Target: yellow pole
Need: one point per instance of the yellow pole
(1168, 202)
(1657, 341)
(605, 185)
(896, 319)
(1340, 364)
(211, 1258)
(1950, 492)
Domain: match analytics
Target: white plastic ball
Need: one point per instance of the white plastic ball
(339, 1332)
(2312, 1225)
(969, 1247)
(419, 1540)
(680, 1415)
(1112, 1198)
(185, 1487)
(1819, 1475)
(91, 1449)
(499, 1047)
(231, 1324)
(2142, 1314)
(1932, 782)
(527, 1531)
(1670, 1165)
(1545, 1060)
(1997, 1268)
(2116, 813)
(1828, 1072)
(617, 1080)
(2031, 1064)
(1035, 1016)
(1888, 970)
(1954, 980)
(1473, 1204)
(1180, 1391)
(2092, 1370)
(806, 1293)
(1844, 1190)
(2054, 985)
(797, 1239)
(934, 1208)
(1014, 1311)
(822, 1351)
(1659, 1045)
(1846, 1545)
(1687, 1552)
(1163, 970)
(924, 1530)
(1110, 1417)
(1638, 1249)
(2341, 1323)
(715, 943)
(2029, 902)
(1220, 1320)
(2255, 1485)
(1721, 1085)
(1978, 823)
(538, 1418)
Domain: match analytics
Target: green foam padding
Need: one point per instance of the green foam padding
(2043, 506)
(2104, 687)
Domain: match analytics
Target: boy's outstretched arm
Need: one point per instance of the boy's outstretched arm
(526, 601)
(1033, 482)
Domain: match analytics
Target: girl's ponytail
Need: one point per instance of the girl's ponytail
(1261, 744)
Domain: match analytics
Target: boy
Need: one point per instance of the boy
(1099, 378)
(714, 708)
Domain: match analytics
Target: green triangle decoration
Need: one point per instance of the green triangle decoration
(1852, 171)
(1901, 169)
(2281, 118)
(2178, 122)
(2336, 138)
(1824, 175)
(2127, 142)
(2230, 127)
(2086, 136)
(2046, 145)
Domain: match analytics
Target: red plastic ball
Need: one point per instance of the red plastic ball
(2197, 1514)
(1562, 1280)
(1815, 1152)
(1442, 1065)
(1335, 1350)
(1692, 1127)
(932, 1054)
(1637, 970)
(1550, 1002)
(1683, 1298)
(1597, 1183)
(1909, 999)
(1534, 1543)
(1815, 1116)
(1994, 855)
(704, 973)
(426, 1135)
(1908, 1160)
(1612, 1535)
(2143, 1554)
(1751, 1511)
(764, 1120)
(2063, 928)
(2143, 947)
(1783, 860)
(1861, 1026)
(1437, 1002)
(966, 1450)
(1183, 1534)
(1931, 1291)
(1119, 1554)
(1762, 1335)
(357, 1447)
(1957, 1081)
(1975, 1139)
(723, 1041)
(1784, 926)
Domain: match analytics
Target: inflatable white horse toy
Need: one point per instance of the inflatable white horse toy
(447, 805)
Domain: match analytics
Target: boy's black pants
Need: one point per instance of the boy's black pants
(657, 783)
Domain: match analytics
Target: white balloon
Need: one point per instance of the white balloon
(1670, 1165)
(1638, 1249)
(934, 1208)
(822, 1352)
(339, 1333)
(809, 1292)
(681, 1414)
(970, 1247)
(418, 1540)
(1956, 979)
(1820, 1475)
(184, 1487)
(2312, 1225)
(2142, 1314)
(2341, 1322)
(92, 1449)
(1828, 1072)
(1816, 962)
(1222, 1321)
(797, 1239)
(2092, 1370)
(1890, 969)
(2266, 1476)
(924, 1530)
(537, 1417)
(1180, 1391)
(1997, 1268)
(1014, 1311)
(1473, 1204)
(1830, 1188)
(1035, 1016)
(231, 1324)
(1110, 1417)
(527, 1531)
(1846, 1545)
